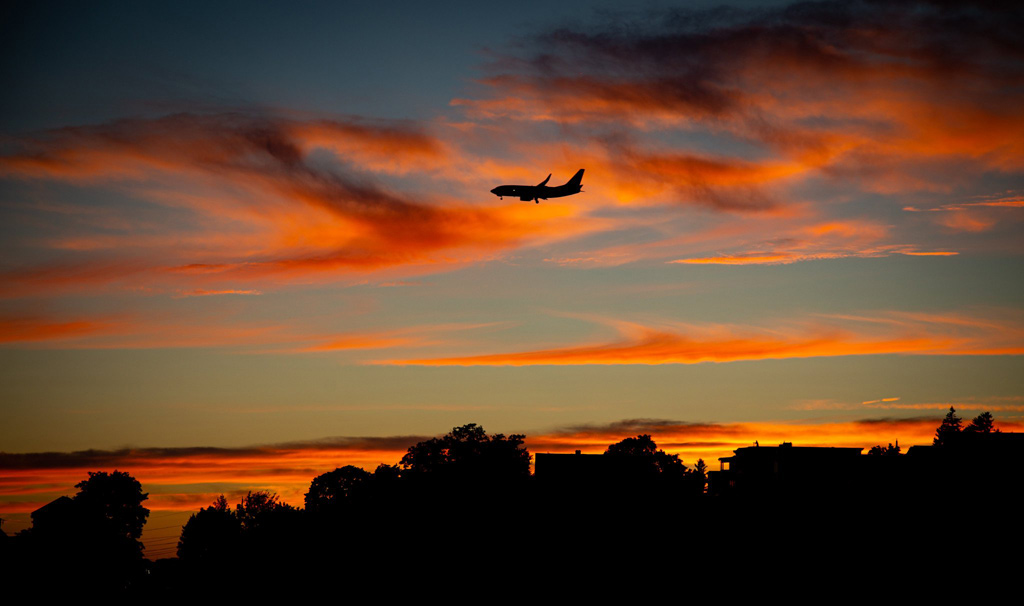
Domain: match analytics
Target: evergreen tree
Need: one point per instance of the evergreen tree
(950, 427)
(701, 468)
(699, 474)
(981, 424)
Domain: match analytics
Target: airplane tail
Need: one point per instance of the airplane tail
(576, 181)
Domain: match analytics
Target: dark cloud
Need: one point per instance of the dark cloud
(899, 421)
(194, 456)
(842, 89)
(637, 426)
(699, 52)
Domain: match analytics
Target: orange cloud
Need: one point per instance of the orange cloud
(380, 148)
(849, 89)
(137, 331)
(797, 240)
(904, 334)
(179, 478)
(158, 331)
(882, 401)
(746, 259)
(709, 441)
(963, 221)
(22, 329)
(728, 184)
(981, 214)
(751, 239)
(190, 142)
(211, 293)
(364, 342)
(1007, 200)
(263, 206)
(415, 336)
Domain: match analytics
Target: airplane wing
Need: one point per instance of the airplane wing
(544, 182)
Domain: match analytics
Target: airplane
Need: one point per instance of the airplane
(541, 191)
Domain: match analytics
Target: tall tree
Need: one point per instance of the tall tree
(949, 429)
(699, 475)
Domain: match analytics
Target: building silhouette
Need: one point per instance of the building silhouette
(785, 471)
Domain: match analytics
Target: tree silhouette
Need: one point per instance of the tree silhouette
(643, 448)
(948, 430)
(91, 539)
(256, 507)
(212, 533)
(335, 489)
(640, 446)
(116, 498)
(701, 468)
(982, 423)
(468, 452)
(700, 474)
(387, 473)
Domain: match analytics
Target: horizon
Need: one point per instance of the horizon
(281, 469)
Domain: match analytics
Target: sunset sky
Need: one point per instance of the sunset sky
(244, 245)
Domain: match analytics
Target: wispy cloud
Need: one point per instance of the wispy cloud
(413, 336)
(882, 401)
(889, 333)
(199, 292)
(22, 329)
(270, 197)
(135, 331)
(979, 214)
(146, 331)
(1007, 200)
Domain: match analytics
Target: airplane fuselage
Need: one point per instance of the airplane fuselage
(542, 191)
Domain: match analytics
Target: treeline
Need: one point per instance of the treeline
(462, 503)
(446, 493)
(459, 487)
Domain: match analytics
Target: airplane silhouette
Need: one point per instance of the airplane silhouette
(541, 191)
